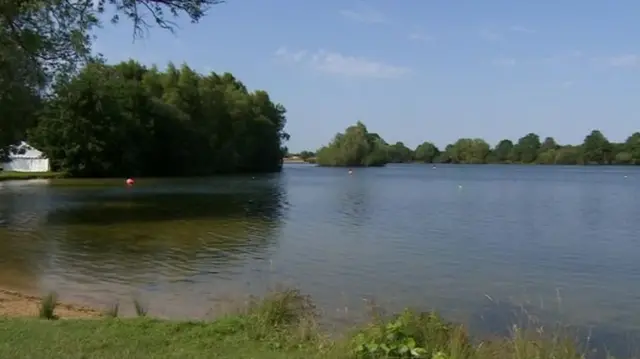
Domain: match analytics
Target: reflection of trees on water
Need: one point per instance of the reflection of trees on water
(158, 233)
(23, 209)
(255, 199)
(23, 206)
(18, 261)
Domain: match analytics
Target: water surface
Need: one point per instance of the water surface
(560, 239)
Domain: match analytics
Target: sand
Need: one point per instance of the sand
(16, 304)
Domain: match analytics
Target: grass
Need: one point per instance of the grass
(282, 325)
(10, 175)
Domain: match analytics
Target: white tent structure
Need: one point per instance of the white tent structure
(26, 159)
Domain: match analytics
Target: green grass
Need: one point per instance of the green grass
(9, 175)
(135, 338)
(282, 325)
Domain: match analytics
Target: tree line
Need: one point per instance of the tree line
(358, 147)
(43, 42)
(127, 119)
(95, 119)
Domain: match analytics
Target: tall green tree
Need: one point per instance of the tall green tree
(629, 152)
(470, 150)
(549, 143)
(353, 148)
(597, 148)
(526, 150)
(42, 41)
(399, 153)
(569, 155)
(426, 152)
(127, 119)
(503, 151)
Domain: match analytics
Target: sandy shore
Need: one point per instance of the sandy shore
(16, 304)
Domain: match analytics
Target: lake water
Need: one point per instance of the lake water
(561, 240)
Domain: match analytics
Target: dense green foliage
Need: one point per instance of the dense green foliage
(356, 148)
(94, 119)
(131, 120)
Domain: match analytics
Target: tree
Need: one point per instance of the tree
(547, 157)
(549, 144)
(446, 155)
(427, 152)
(354, 148)
(526, 150)
(127, 119)
(46, 40)
(632, 147)
(597, 148)
(137, 10)
(467, 150)
(399, 153)
(547, 152)
(503, 151)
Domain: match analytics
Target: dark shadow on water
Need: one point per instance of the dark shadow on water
(497, 318)
(154, 207)
(188, 230)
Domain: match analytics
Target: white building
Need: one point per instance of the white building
(26, 159)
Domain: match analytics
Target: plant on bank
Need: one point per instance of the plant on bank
(356, 147)
(113, 311)
(48, 306)
(412, 335)
(140, 308)
(284, 318)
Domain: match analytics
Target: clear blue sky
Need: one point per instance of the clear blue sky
(417, 70)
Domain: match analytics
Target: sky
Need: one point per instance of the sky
(418, 70)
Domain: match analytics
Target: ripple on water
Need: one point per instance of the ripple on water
(404, 235)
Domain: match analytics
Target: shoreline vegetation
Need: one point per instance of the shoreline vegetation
(283, 324)
(93, 118)
(201, 125)
(357, 147)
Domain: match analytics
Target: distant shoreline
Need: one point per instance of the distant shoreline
(295, 160)
(23, 176)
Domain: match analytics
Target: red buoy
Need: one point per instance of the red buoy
(130, 182)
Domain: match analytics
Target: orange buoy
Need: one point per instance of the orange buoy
(130, 181)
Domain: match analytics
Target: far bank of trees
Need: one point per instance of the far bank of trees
(357, 147)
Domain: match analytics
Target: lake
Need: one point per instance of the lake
(562, 241)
